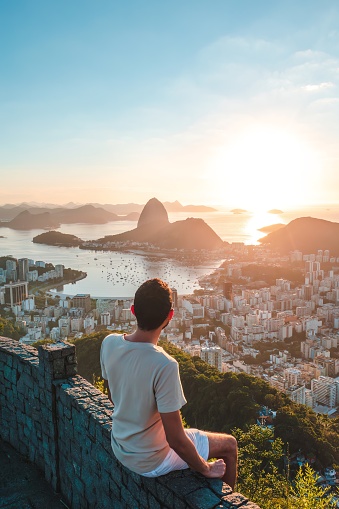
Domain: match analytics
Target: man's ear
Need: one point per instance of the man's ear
(170, 314)
(132, 309)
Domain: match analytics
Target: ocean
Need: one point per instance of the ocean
(118, 275)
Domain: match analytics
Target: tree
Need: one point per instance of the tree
(9, 330)
(260, 456)
(307, 494)
(261, 478)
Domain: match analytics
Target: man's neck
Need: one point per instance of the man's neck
(144, 336)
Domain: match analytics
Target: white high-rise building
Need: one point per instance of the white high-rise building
(325, 391)
(59, 269)
(11, 270)
(309, 398)
(23, 268)
(15, 293)
(105, 318)
(292, 376)
(193, 307)
(296, 393)
(212, 355)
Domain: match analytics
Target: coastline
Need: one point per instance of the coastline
(49, 285)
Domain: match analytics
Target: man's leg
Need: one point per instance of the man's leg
(225, 447)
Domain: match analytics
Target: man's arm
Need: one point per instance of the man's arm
(106, 386)
(184, 447)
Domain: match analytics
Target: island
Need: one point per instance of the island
(238, 211)
(54, 238)
(275, 211)
(271, 228)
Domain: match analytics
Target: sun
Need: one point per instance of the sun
(264, 166)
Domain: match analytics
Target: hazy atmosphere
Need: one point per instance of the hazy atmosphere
(229, 103)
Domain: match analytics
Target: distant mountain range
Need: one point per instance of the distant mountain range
(28, 220)
(306, 234)
(30, 216)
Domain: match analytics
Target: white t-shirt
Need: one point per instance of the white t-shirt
(144, 381)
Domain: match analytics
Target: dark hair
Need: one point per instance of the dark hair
(152, 303)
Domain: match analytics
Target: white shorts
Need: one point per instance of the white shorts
(174, 462)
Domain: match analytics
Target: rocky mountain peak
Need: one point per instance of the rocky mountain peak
(153, 212)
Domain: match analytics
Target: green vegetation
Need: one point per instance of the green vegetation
(261, 476)
(55, 238)
(3, 260)
(9, 330)
(221, 401)
(88, 354)
(263, 480)
(42, 342)
(99, 383)
(269, 273)
(306, 494)
(291, 345)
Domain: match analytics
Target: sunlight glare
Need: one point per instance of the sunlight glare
(264, 167)
(259, 220)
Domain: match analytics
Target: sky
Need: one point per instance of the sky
(231, 103)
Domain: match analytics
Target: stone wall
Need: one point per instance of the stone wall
(62, 424)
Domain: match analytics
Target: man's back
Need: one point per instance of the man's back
(144, 381)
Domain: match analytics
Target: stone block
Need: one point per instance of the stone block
(10, 397)
(71, 370)
(4, 433)
(235, 500)
(149, 484)
(76, 500)
(202, 498)
(153, 503)
(118, 504)
(218, 487)
(181, 486)
(58, 365)
(178, 503)
(12, 435)
(116, 476)
(78, 484)
(91, 491)
(143, 499)
(164, 494)
(9, 374)
(92, 428)
(250, 505)
(131, 499)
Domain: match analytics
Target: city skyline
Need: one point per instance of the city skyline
(227, 104)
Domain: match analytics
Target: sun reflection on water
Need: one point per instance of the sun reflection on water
(260, 220)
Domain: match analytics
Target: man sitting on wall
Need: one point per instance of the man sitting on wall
(144, 383)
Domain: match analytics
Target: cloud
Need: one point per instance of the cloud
(319, 87)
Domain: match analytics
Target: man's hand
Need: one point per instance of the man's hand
(216, 469)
